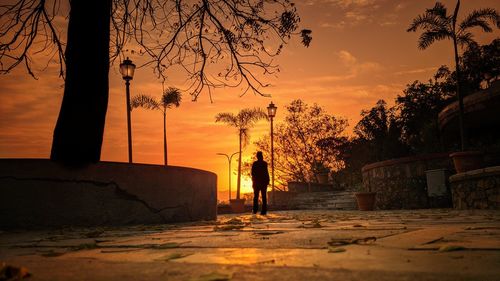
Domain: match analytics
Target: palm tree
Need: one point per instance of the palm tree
(171, 97)
(243, 121)
(438, 25)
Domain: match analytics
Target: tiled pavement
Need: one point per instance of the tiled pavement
(288, 245)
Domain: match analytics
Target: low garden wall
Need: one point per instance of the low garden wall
(477, 189)
(38, 193)
(401, 183)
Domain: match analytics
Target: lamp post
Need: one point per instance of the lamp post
(229, 158)
(127, 70)
(271, 112)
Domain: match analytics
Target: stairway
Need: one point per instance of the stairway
(330, 200)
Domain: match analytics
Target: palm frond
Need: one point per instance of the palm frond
(438, 10)
(429, 37)
(427, 21)
(144, 101)
(171, 97)
(480, 18)
(249, 116)
(465, 39)
(228, 118)
(244, 120)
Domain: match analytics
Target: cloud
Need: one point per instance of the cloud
(350, 13)
(399, 7)
(356, 67)
(346, 57)
(416, 71)
(346, 4)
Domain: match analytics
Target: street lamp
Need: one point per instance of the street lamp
(229, 158)
(127, 69)
(271, 112)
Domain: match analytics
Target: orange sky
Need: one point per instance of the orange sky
(360, 53)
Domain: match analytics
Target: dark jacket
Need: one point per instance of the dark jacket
(260, 175)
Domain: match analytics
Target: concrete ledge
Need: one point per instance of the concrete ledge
(38, 193)
(479, 173)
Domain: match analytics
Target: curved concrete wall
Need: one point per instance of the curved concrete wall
(481, 121)
(401, 183)
(41, 193)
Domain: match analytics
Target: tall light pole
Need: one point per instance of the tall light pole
(271, 112)
(229, 158)
(127, 69)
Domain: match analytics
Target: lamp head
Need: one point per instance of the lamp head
(127, 69)
(271, 110)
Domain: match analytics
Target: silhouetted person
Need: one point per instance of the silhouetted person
(260, 180)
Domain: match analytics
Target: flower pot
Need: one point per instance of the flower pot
(366, 200)
(322, 178)
(467, 160)
(237, 205)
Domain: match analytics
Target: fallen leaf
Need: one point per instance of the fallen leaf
(314, 224)
(266, 262)
(336, 250)
(359, 241)
(214, 276)
(265, 233)
(234, 221)
(168, 245)
(51, 253)
(85, 246)
(228, 227)
(174, 256)
(451, 248)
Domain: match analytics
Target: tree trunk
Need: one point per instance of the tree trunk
(239, 172)
(463, 139)
(165, 137)
(79, 130)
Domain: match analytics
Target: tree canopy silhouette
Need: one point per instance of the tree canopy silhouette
(233, 38)
(306, 141)
(438, 25)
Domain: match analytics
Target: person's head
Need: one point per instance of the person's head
(259, 155)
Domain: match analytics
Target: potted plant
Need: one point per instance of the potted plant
(467, 160)
(237, 205)
(366, 200)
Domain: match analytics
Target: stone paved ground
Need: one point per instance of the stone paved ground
(291, 245)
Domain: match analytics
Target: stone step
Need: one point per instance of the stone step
(336, 200)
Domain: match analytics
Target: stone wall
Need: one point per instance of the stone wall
(401, 183)
(40, 193)
(478, 189)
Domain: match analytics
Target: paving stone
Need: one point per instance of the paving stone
(287, 245)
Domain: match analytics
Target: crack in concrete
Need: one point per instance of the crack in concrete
(119, 191)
